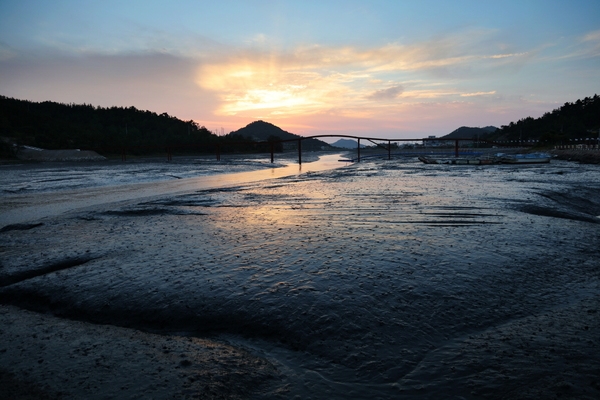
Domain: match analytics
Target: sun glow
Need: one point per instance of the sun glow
(377, 83)
(266, 99)
(246, 86)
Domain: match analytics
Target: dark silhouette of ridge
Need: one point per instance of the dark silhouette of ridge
(465, 132)
(260, 131)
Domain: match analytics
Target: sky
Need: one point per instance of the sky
(383, 69)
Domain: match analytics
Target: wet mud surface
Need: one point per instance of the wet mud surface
(44, 177)
(384, 279)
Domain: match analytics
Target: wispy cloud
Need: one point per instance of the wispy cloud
(386, 94)
(498, 56)
(478, 94)
(592, 37)
(314, 79)
(591, 41)
(585, 46)
(6, 52)
(399, 85)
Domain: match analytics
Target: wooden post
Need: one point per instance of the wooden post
(358, 150)
(272, 145)
(389, 149)
(300, 151)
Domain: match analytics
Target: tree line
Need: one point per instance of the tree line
(577, 120)
(111, 130)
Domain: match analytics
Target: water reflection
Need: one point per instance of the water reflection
(326, 162)
(34, 206)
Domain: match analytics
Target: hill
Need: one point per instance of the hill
(465, 132)
(57, 126)
(347, 144)
(578, 120)
(54, 126)
(260, 131)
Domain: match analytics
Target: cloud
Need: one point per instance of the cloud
(477, 94)
(6, 52)
(498, 56)
(262, 81)
(593, 36)
(157, 82)
(585, 46)
(386, 94)
(315, 79)
(591, 41)
(324, 79)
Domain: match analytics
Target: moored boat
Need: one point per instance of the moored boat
(459, 161)
(529, 158)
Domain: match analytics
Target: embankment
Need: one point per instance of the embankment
(582, 156)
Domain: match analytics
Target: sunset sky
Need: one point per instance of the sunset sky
(392, 69)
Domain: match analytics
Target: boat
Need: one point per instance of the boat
(529, 158)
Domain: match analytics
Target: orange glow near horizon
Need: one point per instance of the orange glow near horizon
(316, 85)
(387, 69)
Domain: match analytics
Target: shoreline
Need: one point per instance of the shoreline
(581, 156)
(22, 205)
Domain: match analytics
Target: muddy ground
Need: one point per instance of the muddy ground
(384, 279)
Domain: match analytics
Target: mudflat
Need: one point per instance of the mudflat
(382, 279)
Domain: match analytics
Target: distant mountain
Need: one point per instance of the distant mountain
(347, 144)
(261, 131)
(465, 132)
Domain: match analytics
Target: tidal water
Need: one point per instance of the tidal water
(381, 279)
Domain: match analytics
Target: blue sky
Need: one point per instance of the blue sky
(376, 68)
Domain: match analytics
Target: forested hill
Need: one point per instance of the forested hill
(261, 130)
(265, 131)
(577, 120)
(53, 125)
(465, 132)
